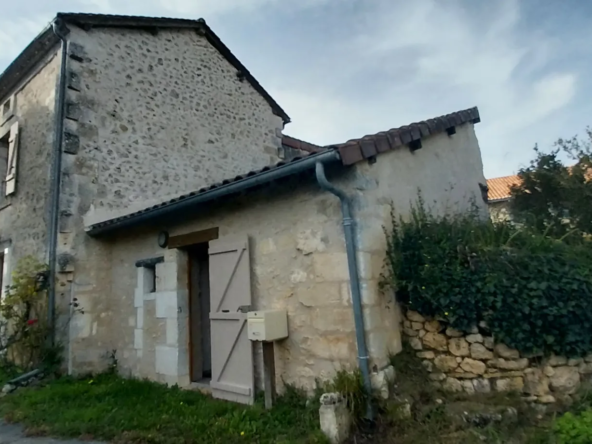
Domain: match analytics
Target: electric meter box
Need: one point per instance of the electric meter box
(267, 325)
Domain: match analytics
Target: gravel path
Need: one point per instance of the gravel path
(13, 434)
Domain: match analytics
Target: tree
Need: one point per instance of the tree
(555, 198)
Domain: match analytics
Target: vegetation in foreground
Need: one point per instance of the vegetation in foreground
(107, 407)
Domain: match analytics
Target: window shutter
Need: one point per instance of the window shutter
(12, 159)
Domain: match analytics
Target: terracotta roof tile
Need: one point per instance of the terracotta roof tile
(498, 188)
(366, 147)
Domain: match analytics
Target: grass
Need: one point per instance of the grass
(107, 407)
(7, 372)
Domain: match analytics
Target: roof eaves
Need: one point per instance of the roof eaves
(369, 146)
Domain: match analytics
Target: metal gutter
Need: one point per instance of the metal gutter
(58, 131)
(354, 280)
(183, 204)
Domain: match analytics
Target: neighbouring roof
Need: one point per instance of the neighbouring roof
(369, 146)
(46, 40)
(498, 188)
(405, 135)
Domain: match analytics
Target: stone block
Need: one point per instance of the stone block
(458, 347)
(573, 362)
(454, 333)
(333, 319)
(319, 295)
(416, 326)
(334, 418)
(556, 361)
(377, 345)
(437, 376)
(474, 338)
(167, 360)
(172, 331)
(506, 352)
(138, 338)
(468, 387)
(435, 341)
(138, 298)
(171, 304)
(565, 380)
(488, 342)
(433, 326)
(585, 368)
(426, 355)
(445, 363)
(416, 343)
(547, 399)
(140, 317)
(330, 267)
(479, 351)
(503, 364)
(330, 347)
(452, 385)
(482, 385)
(509, 384)
(535, 382)
(410, 332)
(380, 384)
(473, 366)
(414, 316)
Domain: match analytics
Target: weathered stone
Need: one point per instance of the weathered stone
(468, 387)
(506, 352)
(428, 365)
(437, 376)
(565, 380)
(478, 351)
(436, 341)
(474, 338)
(509, 384)
(452, 385)
(335, 418)
(473, 366)
(504, 364)
(548, 370)
(529, 398)
(416, 326)
(415, 343)
(588, 358)
(406, 324)
(426, 354)
(459, 359)
(556, 361)
(410, 332)
(482, 385)
(585, 368)
(422, 333)
(483, 326)
(445, 363)
(390, 374)
(433, 326)
(488, 342)
(547, 399)
(574, 361)
(380, 384)
(535, 382)
(454, 333)
(415, 316)
(473, 330)
(458, 347)
(8, 388)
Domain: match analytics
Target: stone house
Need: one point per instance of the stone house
(149, 168)
(498, 195)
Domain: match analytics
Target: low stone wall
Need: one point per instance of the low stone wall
(472, 362)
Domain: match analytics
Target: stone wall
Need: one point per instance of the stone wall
(472, 362)
(24, 215)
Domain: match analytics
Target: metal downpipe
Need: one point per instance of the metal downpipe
(56, 177)
(354, 279)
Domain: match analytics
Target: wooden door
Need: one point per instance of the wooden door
(230, 299)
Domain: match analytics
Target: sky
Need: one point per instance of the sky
(342, 69)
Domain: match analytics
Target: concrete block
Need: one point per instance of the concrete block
(166, 276)
(334, 417)
(138, 338)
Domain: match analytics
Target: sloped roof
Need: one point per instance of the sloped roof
(369, 146)
(498, 188)
(47, 39)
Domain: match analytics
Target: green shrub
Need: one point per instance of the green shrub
(572, 429)
(534, 292)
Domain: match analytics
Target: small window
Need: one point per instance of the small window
(150, 278)
(4, 145)
(7, 110)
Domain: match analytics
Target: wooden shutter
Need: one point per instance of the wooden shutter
(12, 159)
(230, 299)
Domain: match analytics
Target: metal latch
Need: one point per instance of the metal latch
(244, 308)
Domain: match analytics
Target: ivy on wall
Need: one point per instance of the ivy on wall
(534, 292)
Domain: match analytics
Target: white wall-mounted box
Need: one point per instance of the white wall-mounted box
(267, 325)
